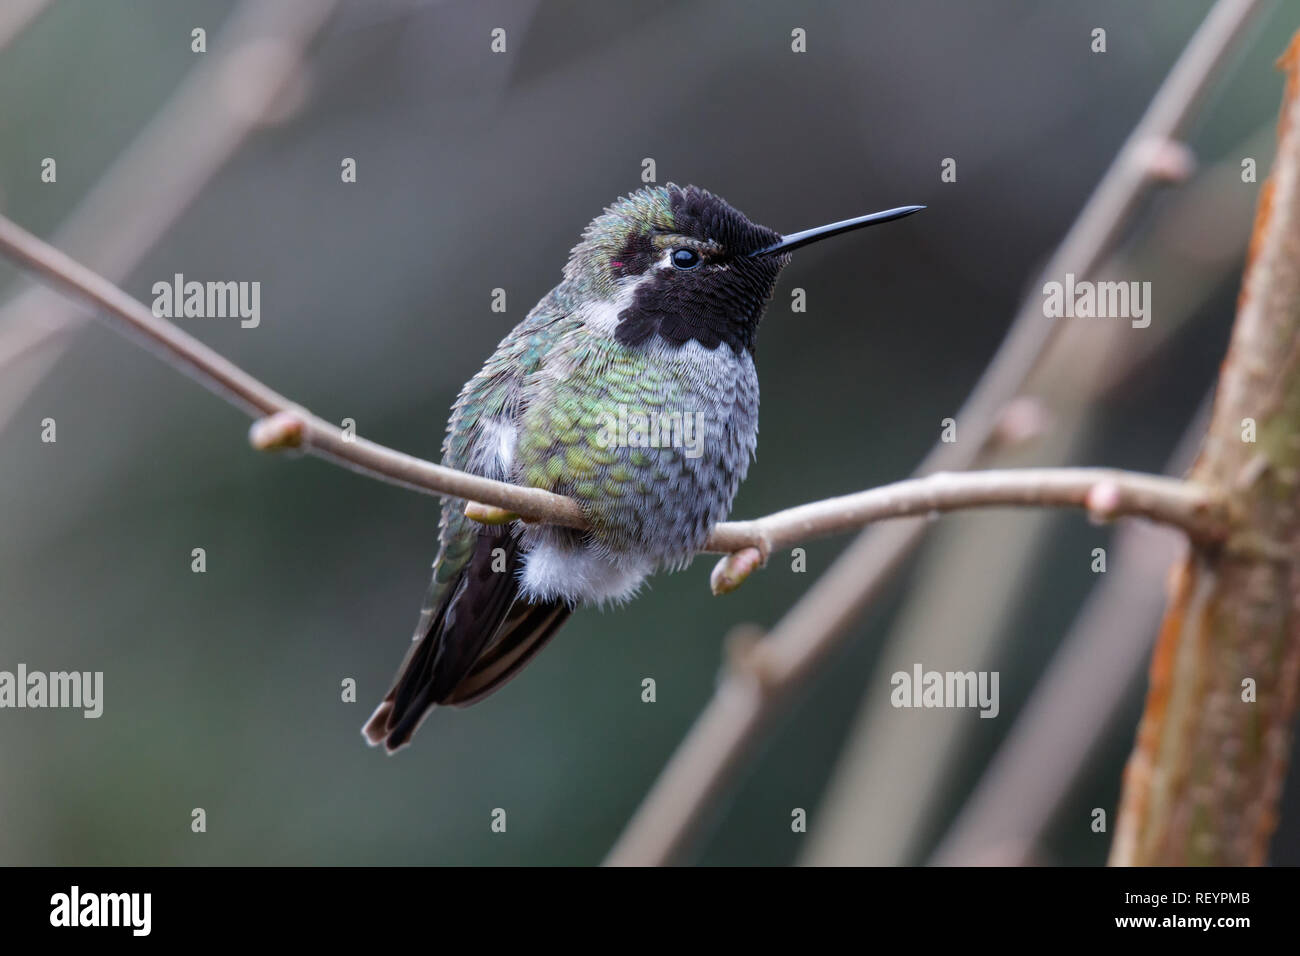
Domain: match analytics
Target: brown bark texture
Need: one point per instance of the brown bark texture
(1203, 783)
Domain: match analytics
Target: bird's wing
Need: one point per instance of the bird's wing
(468, 641)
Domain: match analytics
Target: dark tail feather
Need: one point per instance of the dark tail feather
(525, 632)
(477, 638)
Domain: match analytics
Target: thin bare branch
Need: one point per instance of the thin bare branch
(224, 378)
(1106, 493)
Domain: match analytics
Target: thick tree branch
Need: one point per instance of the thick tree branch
(1206, 774)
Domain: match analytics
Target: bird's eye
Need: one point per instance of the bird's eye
(685, 258)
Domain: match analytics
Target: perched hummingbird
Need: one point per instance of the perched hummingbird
(654, 321)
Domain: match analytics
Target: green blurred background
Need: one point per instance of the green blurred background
(477, 171)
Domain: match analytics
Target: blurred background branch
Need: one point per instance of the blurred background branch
(16, 15)
(255, 76)
(980, 574)
(1075, 704)
(703, 770)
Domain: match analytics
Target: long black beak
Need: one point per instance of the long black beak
(797, 240)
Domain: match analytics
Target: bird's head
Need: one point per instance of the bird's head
(682, 264)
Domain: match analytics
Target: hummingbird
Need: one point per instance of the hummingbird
(654, 321)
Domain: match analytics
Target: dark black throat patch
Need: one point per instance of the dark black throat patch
(720, 302)
(712, 305)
